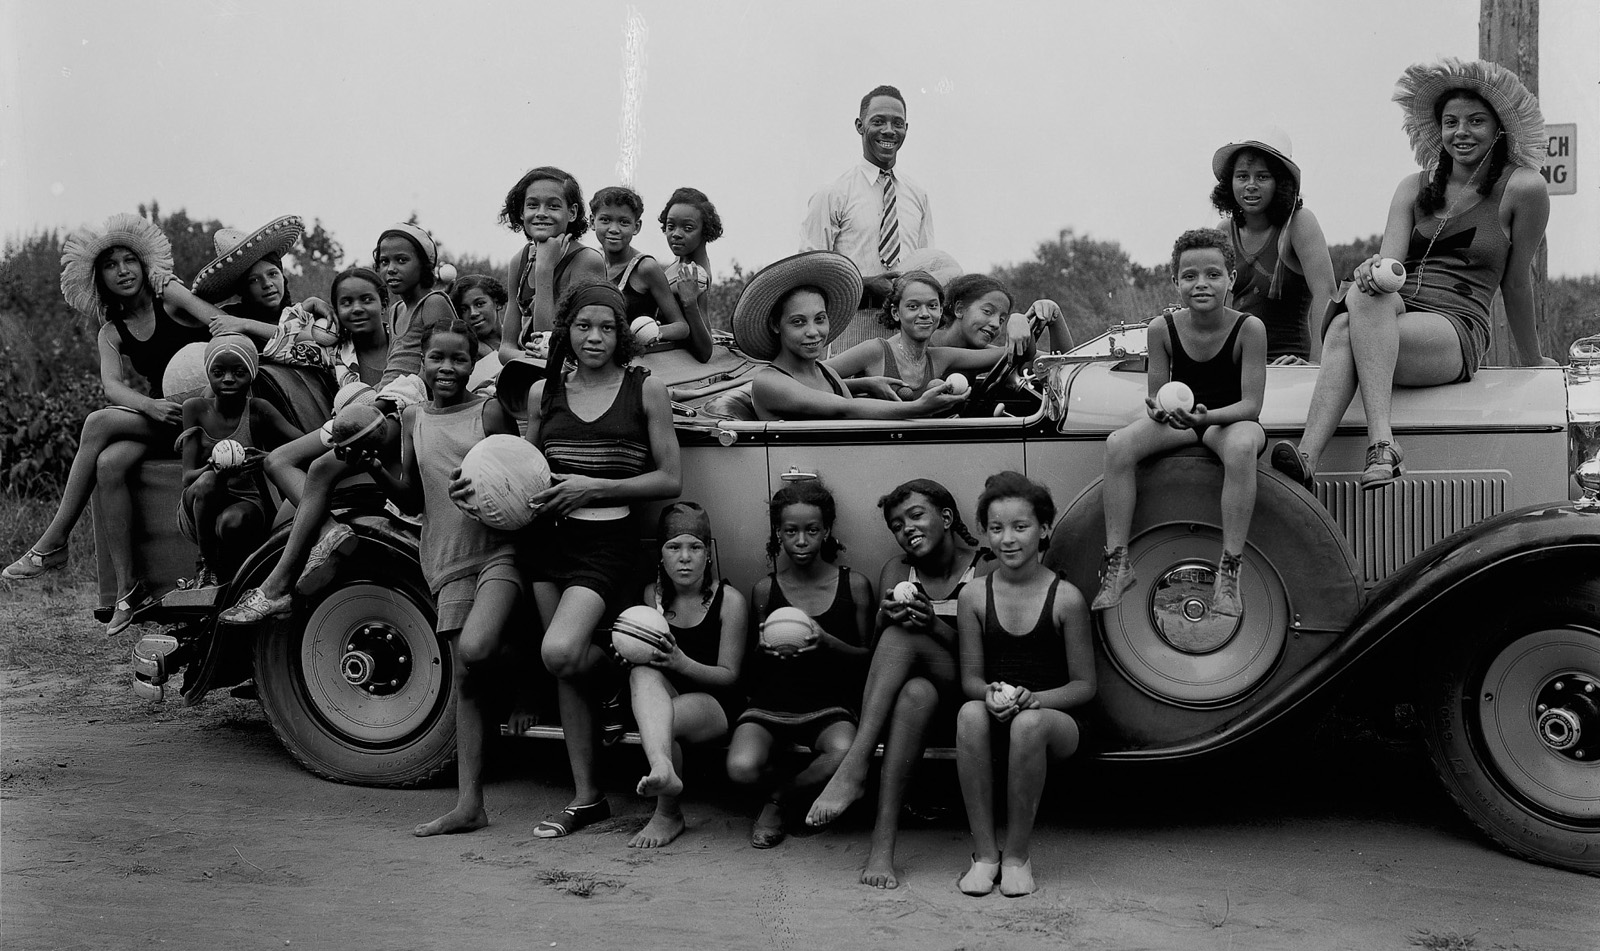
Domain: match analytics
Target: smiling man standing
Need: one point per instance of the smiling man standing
(871, 213)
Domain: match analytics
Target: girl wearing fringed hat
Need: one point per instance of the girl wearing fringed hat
(1465, 226)
(1284, 272)
(121, 274)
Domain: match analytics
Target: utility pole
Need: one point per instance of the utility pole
(1508, 34)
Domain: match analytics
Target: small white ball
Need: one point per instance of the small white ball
(1007, 692)
(1174, 395)
(646, 330)
(958, 383)
(905, 592)
(227, 454)
(446, 274)
(1389, 275)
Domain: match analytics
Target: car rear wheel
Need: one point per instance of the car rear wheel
(1513, 718)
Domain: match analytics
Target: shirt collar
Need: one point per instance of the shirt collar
(870, 171)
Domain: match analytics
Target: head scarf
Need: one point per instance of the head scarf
(237, 344)
(587, 295)
(684, 518)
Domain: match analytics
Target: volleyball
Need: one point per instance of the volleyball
(958, 383)
(1389, 275)
(227, 454)
(1174, 395)
(506, 472)
(185, 375)
(905, 592)
(645, 330)
(786, 629)
(639, 632)
(353, 393)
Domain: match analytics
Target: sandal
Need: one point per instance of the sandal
(980, 878)
(1293, 463)
(1385, 463)
(34, 563)
(571, 819)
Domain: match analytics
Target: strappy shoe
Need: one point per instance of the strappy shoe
(34, 563)
(137, 601)
(1385, 463)
(980, 878)
(1116, 577)
(255, 607)
(1293, 463)
(571, 819)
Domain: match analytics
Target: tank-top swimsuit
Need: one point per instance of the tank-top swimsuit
(1265, 285)
(910, 389)
(812, 687)
(638, 303)
(1216, 382)
(702, 643)
(1036, 659)
(151, 355)
(945, 607)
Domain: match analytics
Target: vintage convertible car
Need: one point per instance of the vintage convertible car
(1470, 585)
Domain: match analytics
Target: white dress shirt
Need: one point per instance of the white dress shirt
(844, 217)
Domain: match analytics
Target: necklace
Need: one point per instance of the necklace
(1450, 210)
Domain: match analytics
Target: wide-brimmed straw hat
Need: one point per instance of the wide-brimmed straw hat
(832, 273)
(1422, 85)
(1272, 140)
(238, 252)
(82, 247)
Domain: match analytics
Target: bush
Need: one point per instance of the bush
(39, 435)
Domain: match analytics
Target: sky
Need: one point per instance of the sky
(1025, 117)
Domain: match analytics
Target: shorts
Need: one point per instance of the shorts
(602, 556)
(453, 602)
(801, 729)
(187, 527)
(1471, 353)
(731, 705)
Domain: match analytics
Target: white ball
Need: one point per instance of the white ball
(646, 330)
(905, 592)
(185, 375)
(958, 383)
(786, 628)
(446, 274)
(639, 632)
(506, 471)
(1389, 275)
(1007, 692)
(1174, 395)
(227, 454)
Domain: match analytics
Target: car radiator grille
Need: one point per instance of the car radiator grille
(1388, 527)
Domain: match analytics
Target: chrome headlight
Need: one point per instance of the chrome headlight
(1583, 413)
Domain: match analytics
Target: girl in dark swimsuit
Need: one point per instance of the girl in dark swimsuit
(617, 213)
(1026, 660)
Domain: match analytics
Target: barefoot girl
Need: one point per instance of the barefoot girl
(606, 429)
(805, 695)
(546, 205)
(691, 222)
(686, 695)
(1284, 275)
(1026, 659)
(226, 510)
(913, 663)
(407, 258)
(121, 275)
(788, 314)
(468, 566)
(617, 212)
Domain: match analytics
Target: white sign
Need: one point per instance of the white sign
(1560, 170)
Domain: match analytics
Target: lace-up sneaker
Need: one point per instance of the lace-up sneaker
(1385, 463)
(1225, 597)
(1116, 577)
(322, 564)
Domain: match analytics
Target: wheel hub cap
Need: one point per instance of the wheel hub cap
(1567, 714)
(1180, 609)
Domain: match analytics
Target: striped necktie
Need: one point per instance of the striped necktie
(889, 225)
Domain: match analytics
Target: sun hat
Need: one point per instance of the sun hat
(828, 271)
(940, 264)
(1422, 85)
(420, 237)
(82, 247)
(238, 252)
(1272, 140)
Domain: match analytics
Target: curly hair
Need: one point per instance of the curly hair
(898, 290)
(877, 91)
(1202, 238)
(804, 492)
(1285, 193)
(1432, 197)
(934, 492)
(429, 274)
(571, 192)
(561, 342)
(619, 195)
(710, 221)
(492, 289)
(1014, 485)
(968, 288)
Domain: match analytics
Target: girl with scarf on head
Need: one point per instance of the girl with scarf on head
(1465, 226)
(225, 507)
(121, 274)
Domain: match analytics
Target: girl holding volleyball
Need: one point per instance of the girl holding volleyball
(1221, 356)
(468, 566)
(685, 694)
(1026, 661)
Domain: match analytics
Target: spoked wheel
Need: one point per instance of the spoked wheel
(1514, 728)
(361, 692)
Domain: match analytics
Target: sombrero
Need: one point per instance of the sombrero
(1272, 140)
(828, 271)
(238, 252)
(1421, 86)
(82, 247)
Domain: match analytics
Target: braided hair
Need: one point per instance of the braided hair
(935, 493)
(804, 492)
(1432, 197)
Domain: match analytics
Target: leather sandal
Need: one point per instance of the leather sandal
(571, 819)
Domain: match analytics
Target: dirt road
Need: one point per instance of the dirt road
(127, 826)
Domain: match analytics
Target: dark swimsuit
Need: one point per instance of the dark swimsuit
(702, 643)
(1036, 660)
(816, 687)
(151, 356)
(638, 303)
(1216, 382)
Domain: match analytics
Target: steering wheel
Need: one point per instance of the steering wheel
(982, 397)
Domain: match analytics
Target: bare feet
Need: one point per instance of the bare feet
(768, 830)
(879, 872)
(658, 831)
(661, 781)
(840, 793)
(459, 819)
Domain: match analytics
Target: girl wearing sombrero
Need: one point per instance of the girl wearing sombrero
(1468, 224)
(249, 267)
(121, 274)
(788, 313)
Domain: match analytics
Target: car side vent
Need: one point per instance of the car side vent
(1388, 527)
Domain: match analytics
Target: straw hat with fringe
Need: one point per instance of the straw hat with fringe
(1422, 85)
(828, 271)
(238, 252)
(81, 248)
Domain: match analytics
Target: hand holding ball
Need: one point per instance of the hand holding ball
(645, 330)
(958, 384)
(1007, 693)
(505, 471)
(905, 592)
(227, 454)
(1174, 395)
(1388, 275)
(786, 630)
(639, 632)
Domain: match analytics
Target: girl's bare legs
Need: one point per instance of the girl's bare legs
(287, 465)
(1036, 737)
(1125, 449)
(101, 428)
(749, 758)
(569, 652)
(474, 648)
(1335, 388)
(1237, 445)
(112, 467)
(897, 653)
(665, 718)
(975, 770)
(913, 711)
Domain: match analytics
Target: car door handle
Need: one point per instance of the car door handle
(795, 475)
